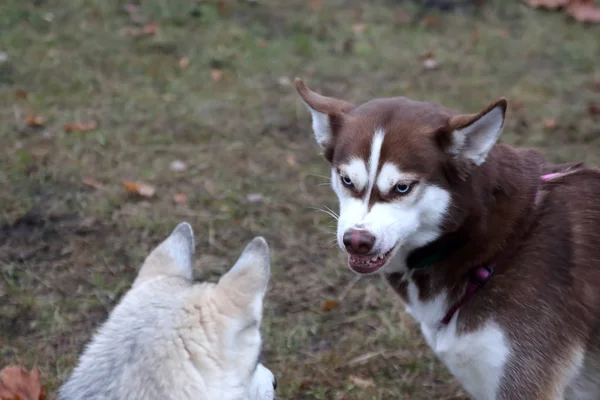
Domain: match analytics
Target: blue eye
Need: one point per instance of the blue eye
(403, 188)
(347, 181)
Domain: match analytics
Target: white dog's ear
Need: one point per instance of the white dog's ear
(245, 284)
(327, 116)
(173, 257)
(471, 137)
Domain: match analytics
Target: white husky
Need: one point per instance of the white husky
(173, 338)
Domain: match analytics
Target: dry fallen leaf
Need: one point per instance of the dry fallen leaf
(151, 28)
(549, 123)
(184, 62)
(329, 305)
(16, 383)
(80, 127)
(430, 20)
(216, 74)
(597, 86)
(583, 11)
(180, 198)
(361, 383)
(35, 121)
(358, 28)
(254, 197)
(224, 8)
(40, 151)
(21, 94)
(177, 165)
(93, 183)
(262, 43)
(429, 61)
(594, 109)
(146, 30)
(315, 5)
(290, 160)
(140, 188)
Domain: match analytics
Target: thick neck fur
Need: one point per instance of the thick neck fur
(490, 211)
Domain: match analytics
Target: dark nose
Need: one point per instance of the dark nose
(274, 383)
(358, 242)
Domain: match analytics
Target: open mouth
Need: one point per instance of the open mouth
(366, 264)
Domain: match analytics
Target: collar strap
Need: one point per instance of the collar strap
(478, 277)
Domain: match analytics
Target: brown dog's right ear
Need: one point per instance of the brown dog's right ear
(327, 115)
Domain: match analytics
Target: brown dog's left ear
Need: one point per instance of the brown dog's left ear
(472, 136)
(327, 114)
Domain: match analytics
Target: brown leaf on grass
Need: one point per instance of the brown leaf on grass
(180, 198)
(549, 4)
(224, 8)
(93, 183)
(21, 94)
(315, 5)
(262, 43)
(254, 197)
(34, 121)
(597, 86)
(429, 61)
(80, 127)
(430, 20)
(361, 383)
(150, 29)
(184, 62)
(147, 30)
(549, 123)
(583, 11)
(216, 75)
(329, 305)
(16, 383)
(594, 109)
(140, 188)
(177, 165)
(358, 28)
(40, 151)
(290, 160)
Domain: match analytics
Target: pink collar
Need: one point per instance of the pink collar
(479, 276)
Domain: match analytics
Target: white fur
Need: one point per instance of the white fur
(321, 126)
(476, 140)
(476, 359)
(172, 338)
(374, 160)
(583, 382)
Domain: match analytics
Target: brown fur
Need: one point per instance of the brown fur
(543, 237)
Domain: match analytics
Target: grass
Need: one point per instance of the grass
(68, 251)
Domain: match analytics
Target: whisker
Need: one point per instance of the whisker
(328, 212)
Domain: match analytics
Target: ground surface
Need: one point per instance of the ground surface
(68, 251)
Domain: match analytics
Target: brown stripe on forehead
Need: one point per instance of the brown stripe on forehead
(414, 152)
(354, 143)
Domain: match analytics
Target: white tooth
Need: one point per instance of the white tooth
(374, 258)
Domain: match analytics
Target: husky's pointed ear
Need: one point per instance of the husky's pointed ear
(173, 257)
(327, 115)
(470, 137)
(245, 284)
